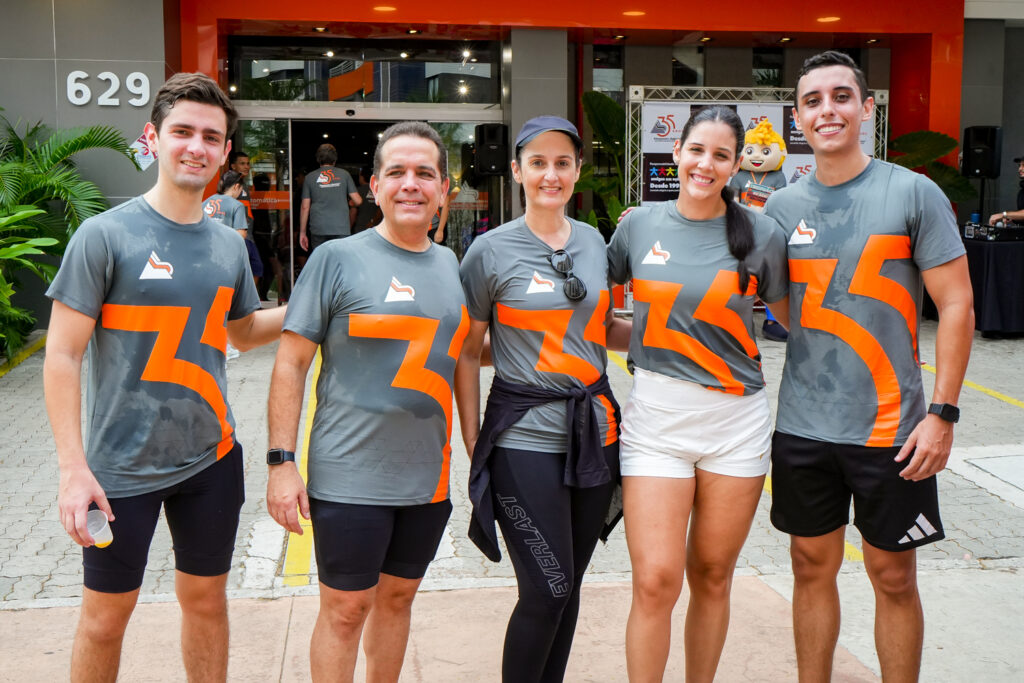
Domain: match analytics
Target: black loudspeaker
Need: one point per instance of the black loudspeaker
(491, 151)
(982, 151)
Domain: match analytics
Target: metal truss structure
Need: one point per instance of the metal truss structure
(641, 94)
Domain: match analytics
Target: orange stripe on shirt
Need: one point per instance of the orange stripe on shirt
(817, 274)
(412, 373)
(661, 296)
(163, 366)
(553, 325)
(714, 310)
(595, 330)
(613, 433)
(868, 279)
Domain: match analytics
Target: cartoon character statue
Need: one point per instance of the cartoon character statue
(760, 172)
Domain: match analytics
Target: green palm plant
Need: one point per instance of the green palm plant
(607, 118)
(43, 199)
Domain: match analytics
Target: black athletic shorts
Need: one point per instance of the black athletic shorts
(355, 544)
(202, 514)
(812, 482)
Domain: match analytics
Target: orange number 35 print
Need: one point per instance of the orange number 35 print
(867, 282)
(661, 297)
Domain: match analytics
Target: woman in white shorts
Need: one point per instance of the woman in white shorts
(696, 431)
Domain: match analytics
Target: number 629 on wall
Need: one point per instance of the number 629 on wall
(137, 83)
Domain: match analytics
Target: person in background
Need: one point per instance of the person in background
(545, 461)
(696, 430)
(326, 195)
(225, 207)
(366, 214)
(1007, 217)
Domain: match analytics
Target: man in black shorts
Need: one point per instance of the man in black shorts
(863, 235)
(386, 310)
(158, 288)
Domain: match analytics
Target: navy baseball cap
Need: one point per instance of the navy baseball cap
(542, 124)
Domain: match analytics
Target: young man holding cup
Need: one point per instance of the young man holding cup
(155, 289)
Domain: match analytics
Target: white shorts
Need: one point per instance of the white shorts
(670, 427)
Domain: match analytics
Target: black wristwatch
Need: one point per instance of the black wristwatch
(947, 411)
(276, 456)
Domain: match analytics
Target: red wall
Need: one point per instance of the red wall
(926, 39)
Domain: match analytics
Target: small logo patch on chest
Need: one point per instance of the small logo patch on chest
(657, 256)
(399, 292)
(803, 234)
(539, 284)
(155, 269)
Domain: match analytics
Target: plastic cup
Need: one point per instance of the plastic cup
(99, 528)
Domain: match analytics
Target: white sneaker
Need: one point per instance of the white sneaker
(232, 352)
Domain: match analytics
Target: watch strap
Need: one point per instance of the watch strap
(276, 456)
(946, 411)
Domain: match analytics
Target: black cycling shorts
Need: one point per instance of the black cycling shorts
(813, 481)
(202, 514)
(355, 544)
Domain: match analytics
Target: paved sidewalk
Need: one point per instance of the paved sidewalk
(971, 581)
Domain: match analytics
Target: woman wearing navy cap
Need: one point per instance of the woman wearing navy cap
(545, 461)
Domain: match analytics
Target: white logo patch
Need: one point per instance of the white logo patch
(657, 256)
(539, 284)
(803, 234)
(922, 529)
(155, 269)
(399, 292)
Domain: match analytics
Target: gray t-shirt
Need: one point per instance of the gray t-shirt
(390, 324)
(538, 336)
(690, 320)
(156, 410)
(856, 252)
(227, 210)
(328, 189)
(753, 189)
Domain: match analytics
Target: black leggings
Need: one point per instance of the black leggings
(550, 530)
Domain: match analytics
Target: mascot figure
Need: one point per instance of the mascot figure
(760, 172)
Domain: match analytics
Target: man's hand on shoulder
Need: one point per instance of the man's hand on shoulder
(928, 447)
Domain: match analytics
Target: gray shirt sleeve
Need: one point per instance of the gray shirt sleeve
(478, 278)
(618, 251)
(934, 235)
(85, 272)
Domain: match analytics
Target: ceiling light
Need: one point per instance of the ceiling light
(463, 89)
(827, 20)
(266, 71)
(233, 88)
(329, 53)
(473, 59)
(871, 41)
(620, 37)
(785, 39)
(633, 13)
(319, 29)
(412, 31)
(706, 39)
(466, 53)
(403, 55)
(380, 135)
(384, 8)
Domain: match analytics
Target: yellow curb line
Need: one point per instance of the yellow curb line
(985, 390)
(299, 550)
(22, 355)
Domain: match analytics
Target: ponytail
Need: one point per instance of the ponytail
(228, 180)
(739, 232)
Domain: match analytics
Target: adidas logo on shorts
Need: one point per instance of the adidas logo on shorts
(922, 529)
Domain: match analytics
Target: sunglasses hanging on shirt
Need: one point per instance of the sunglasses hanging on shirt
(573, 287)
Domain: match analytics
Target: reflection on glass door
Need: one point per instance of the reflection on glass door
(475, 200)
(267, 143)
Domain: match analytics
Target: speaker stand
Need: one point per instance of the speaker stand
(981, 203)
